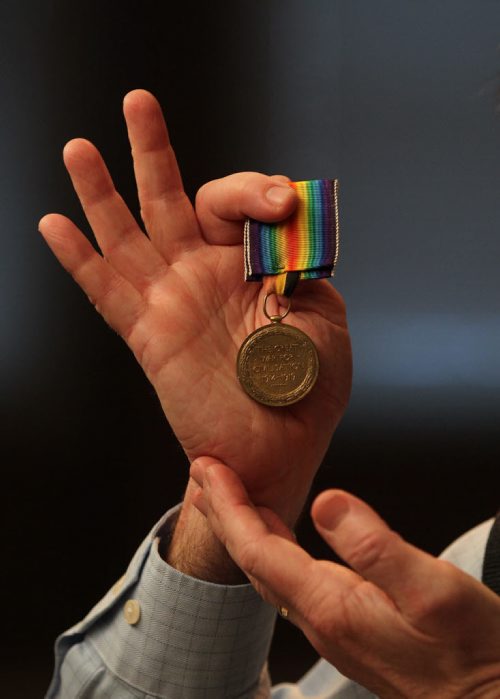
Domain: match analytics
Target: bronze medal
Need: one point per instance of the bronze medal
(277, 365)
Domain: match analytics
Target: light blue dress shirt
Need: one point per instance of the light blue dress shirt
(159, 633)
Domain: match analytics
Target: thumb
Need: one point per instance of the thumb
(222, 205)
(365, 542)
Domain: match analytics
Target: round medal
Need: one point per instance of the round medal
(277, 365)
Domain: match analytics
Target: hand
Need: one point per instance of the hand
(179, 301)
(402, 623)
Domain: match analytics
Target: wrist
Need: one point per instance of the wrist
(193, 548)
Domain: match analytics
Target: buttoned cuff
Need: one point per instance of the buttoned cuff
(183, 637)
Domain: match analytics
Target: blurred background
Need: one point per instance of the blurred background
(397, 99)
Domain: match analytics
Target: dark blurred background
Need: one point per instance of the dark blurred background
(397, 99)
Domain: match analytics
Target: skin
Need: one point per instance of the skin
(430, 632)
(178, 299)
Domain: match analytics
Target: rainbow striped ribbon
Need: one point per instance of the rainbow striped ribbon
(304, 246)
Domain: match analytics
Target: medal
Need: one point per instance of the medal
(277, 365)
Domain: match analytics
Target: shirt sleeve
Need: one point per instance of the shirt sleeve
(467, 552)
(167, 635)
(160, 633)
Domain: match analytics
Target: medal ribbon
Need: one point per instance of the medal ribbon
(304, 246)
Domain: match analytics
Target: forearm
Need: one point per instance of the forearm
(195, 550)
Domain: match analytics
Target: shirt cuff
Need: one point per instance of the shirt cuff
(183, 637)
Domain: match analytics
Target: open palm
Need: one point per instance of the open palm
(179, 301)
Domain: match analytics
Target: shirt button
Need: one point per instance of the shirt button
(132, 611)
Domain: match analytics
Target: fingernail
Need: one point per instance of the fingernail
(279, 195)
(332, 512)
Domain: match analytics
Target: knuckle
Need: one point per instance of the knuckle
(374, 547)
(239, 188)
(249, 185)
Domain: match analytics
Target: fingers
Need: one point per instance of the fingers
(165, 208)
(270, 518)
(119, 237)
(263, 547)
(277, 563)
(329, 602)
(222, 205)
(407, 574)
(116, 299)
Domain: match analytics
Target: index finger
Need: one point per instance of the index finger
(287, 575)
